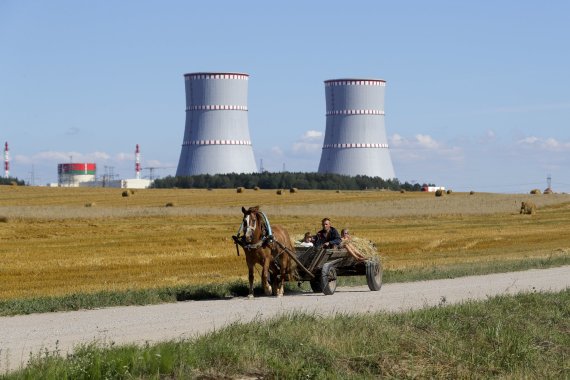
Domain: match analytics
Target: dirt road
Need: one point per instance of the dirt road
(21, 335)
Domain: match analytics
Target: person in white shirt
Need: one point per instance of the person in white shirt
(307, 240)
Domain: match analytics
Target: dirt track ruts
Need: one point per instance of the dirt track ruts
(20, 335)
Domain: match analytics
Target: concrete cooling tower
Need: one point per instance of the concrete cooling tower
(355, 136)
(216, 135)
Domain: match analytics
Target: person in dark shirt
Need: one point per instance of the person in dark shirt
(328, 237)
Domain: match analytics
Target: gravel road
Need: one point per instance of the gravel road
(22, 335)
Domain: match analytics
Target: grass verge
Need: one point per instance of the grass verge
(240, 288)
(522, 336)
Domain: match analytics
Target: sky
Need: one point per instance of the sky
(477, 93)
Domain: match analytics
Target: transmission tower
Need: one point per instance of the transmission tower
(548, 181)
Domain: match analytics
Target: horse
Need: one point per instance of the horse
(264, 244)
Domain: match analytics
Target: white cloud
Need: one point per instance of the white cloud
(422, 147)
(528, 140)
(549, 144)
(426, 141)
(313, 135)
(311, 142)
(125, 157)
(397, 140)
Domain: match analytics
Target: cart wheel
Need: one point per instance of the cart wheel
(316, 285)
(328, 279)
(374, 275)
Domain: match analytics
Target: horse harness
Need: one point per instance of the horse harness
(267, 239)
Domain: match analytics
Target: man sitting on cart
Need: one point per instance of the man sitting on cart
(328, 237)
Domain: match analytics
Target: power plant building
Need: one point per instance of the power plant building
(72, 174)
(216, 136)
(355, 137)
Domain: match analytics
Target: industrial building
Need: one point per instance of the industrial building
(72, 174)
(216, 135)
(355, 137)
(85, 175)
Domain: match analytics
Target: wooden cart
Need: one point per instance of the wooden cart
(321, 267)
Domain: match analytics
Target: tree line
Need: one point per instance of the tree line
(284, 180)
(11, 181)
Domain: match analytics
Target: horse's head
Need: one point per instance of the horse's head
(250, 223)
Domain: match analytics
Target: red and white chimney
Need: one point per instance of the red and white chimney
(6, 161)
(138, 162)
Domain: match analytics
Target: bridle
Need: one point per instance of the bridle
(247, 229)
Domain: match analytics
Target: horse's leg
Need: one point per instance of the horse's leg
(264, 276)
(281, 290)
(250, 267)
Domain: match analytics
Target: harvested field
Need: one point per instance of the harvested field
(53, 245)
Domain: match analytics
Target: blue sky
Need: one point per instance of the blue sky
(477, 95)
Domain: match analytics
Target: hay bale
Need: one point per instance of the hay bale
(471, 192)
(449, 191)
(535, 191)
(365, 246)
(240, 189)
(439, 193)
(3, 219)
(528, 208)
(132, 191)
(169, 204)
(293, 190)
(210, 189)
(125, 193)
(402, 191)
(256, 188)
(338, 191)
(90, 204)
(279, 192)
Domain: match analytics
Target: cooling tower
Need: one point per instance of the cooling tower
(216, 135)
(355, 136)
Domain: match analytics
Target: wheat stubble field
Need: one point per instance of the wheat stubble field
(52, 244)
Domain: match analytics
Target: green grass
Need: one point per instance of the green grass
(522, 336)
(240, 288)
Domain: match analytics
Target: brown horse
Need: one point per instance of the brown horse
(258, 242)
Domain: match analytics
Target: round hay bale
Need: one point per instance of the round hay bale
(169, 204)
(90, 204)
(471, 192)
(256, 188)
(240, 189)
(3, 219)
(439, 193)
(535, 191)
(210, 189)
(402, 191)
(338, 191)
(279, 192)
(125, 193)
(449, 191)
(293, 190)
